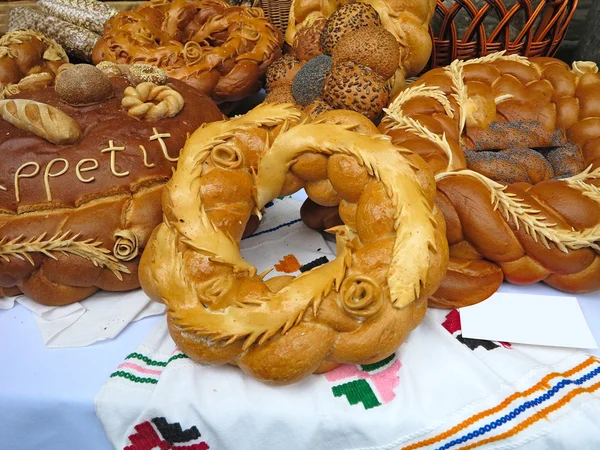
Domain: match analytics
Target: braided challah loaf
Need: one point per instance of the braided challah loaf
(28, 60)
(221, 50)
(515, 146)
(81, 180)
(391, 252)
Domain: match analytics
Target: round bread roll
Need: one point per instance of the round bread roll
(221, 50)
(372, 46)
(348, 18)
(357, 88)
(356, 309)
(310, 79)
(307, 42)
(80, 186)
(282, 72)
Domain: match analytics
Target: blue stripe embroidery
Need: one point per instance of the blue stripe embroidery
(287, 224)
(520, 409)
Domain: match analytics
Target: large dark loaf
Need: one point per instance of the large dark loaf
(74, 218)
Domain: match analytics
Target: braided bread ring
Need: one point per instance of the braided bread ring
(138, 101)
(355, 309)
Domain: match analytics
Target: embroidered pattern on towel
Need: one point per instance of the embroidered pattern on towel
(518, 411)
(140, 369)
(160, 434)
(453, 326)
(372, 385)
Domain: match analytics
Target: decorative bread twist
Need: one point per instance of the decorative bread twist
(407, 20)
(139, 101)
(220, 49)
(77, 209)
(28, 61)
(391, 252)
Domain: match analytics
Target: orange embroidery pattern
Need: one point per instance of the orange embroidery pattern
(536, 417)
(289, 264)
(542, 384)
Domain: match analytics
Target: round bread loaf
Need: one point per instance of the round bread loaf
(515, 146)
(374, 47)
(358, 308)
(80, 186)
(222, 50)
(355, 87)
(28, 60)
(350, 17)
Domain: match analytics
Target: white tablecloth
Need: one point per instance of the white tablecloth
(46, 396)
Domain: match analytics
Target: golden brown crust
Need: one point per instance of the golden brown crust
(533, 215)
(75, 217)
(391, 250)
(28, 60)
(221, 50)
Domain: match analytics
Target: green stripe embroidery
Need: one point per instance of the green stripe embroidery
(378, 365)
(151, 362)
(357, 391)
(132, 377)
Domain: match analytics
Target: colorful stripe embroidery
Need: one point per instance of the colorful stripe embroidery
(137, 373)
(516, 411)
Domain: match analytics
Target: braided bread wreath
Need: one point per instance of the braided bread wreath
(515, 147)
(356, 309)
(221, 50)
(83, 167)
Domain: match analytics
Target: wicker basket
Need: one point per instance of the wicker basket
(465, 29)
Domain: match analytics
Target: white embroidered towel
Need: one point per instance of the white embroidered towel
(438, 391)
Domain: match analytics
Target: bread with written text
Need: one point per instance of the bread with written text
(83, 168)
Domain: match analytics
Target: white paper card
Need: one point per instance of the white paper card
(528, 319)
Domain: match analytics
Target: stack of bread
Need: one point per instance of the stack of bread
(350, 55)
(514, 144)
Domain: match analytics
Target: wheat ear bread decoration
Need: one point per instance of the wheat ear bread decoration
(358, 308)
(514, 144)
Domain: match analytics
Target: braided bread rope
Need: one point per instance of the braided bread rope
(28, 60)
(219, 49)
(358, 308)
(138, 101)
(545, 229)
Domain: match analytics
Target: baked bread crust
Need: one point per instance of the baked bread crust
(391, 252)
(221, 50)
(524, 204)
(407, 20)
(75, 216)
(28, 60)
